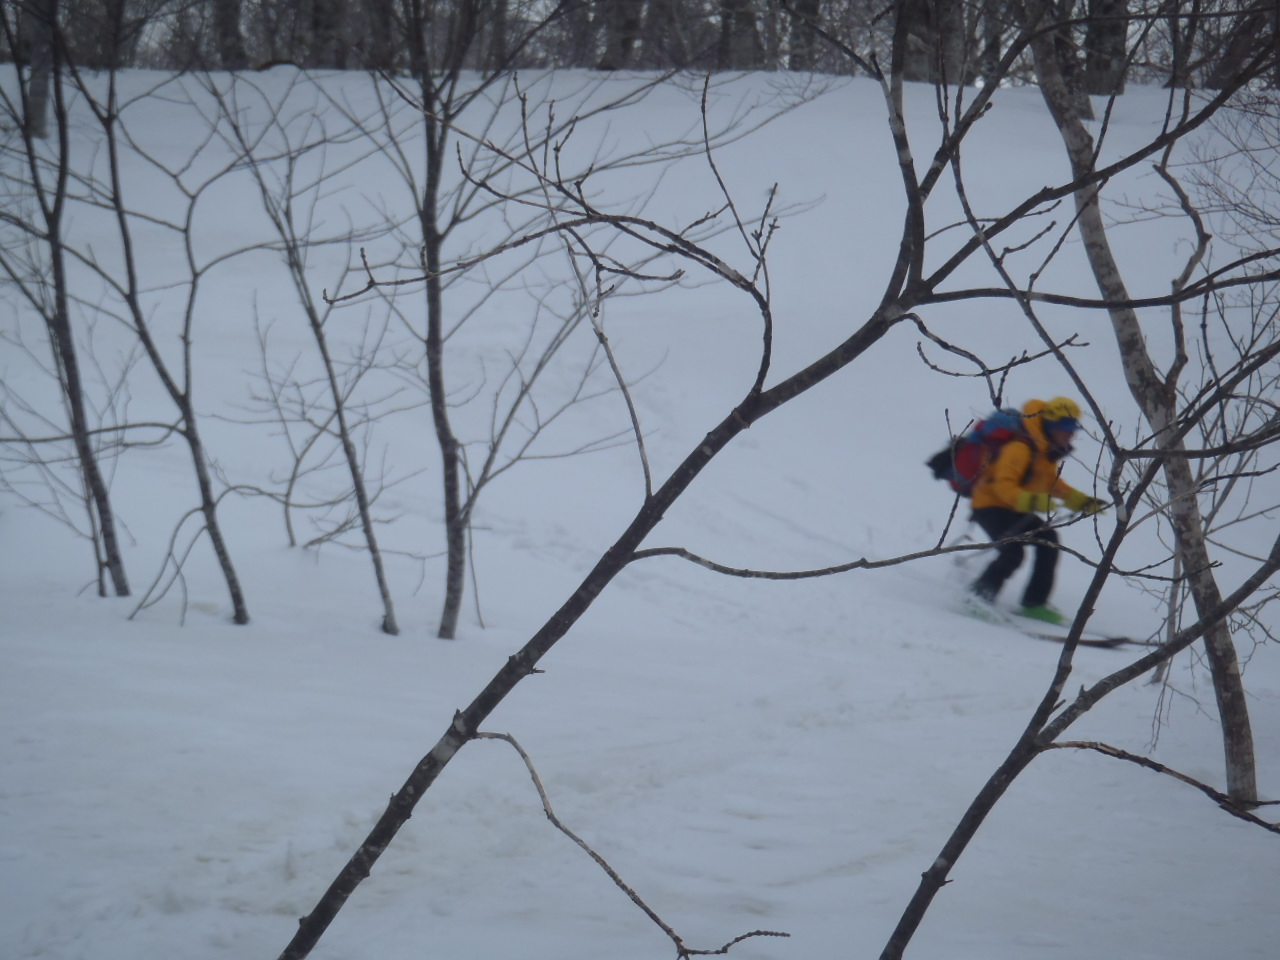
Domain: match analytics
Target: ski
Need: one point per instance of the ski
(1035, 629)
(1086, 640)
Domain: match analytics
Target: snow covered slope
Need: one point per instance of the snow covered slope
(747, 754)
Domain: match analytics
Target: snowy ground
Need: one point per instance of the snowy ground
(748, 755)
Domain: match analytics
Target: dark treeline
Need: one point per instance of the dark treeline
(1107, 42)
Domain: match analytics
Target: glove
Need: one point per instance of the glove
(1029, 502)
(1083, 503)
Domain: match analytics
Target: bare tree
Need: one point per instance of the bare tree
(288, 134)
(35, 262)
(123, 278)
(446, 204)
(437, 58)
(1156, 394)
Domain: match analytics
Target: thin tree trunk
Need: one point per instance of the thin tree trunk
(580, 36)
(101, 516)
(1066, 60)
(495, 30)
(951, 66)
(935, 44)
(389, 624)
(228, 35)
(39, 22)
(739, 46)
(328, 49)
(1105, 46)
(179, 394)
(430, 84)
(378, 51)
(666, 36)
(280, 211)
(804, 42)
(993, 14)
(1183, 30)
(62, 340)
(209, 507)
(915, 26)
(621, 20)
(1157, 400)
(455, 518)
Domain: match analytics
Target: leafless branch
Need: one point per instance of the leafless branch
(1217, 796)
(682, 949)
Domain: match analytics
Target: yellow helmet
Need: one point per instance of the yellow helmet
(1061, 408)
(1061, 415)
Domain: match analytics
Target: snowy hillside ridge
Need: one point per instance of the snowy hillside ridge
(747, 753)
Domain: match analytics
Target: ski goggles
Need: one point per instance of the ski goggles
(1067, 424)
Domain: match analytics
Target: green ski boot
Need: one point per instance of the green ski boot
(1045, 614)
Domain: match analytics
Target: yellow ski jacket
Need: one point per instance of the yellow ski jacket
(1021, 465)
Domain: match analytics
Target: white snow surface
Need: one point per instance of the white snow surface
(747, 754)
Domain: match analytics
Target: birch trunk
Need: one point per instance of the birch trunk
(451, 467)
(1158, 402)
(102, 524)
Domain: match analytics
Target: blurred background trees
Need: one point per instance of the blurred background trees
(1106, 42)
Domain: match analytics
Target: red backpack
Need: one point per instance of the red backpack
(962, 461)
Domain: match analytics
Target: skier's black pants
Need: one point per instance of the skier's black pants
(1000, 524)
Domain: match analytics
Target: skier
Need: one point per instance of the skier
(1014, 493)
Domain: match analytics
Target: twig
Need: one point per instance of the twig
(1221, 799)
(681, 949)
